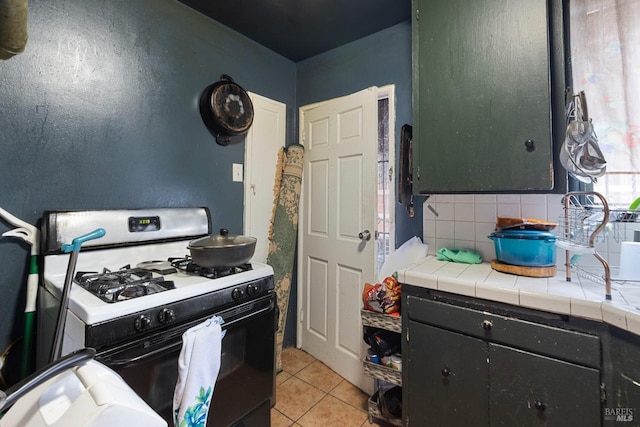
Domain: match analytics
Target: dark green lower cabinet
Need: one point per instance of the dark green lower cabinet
(458, 380)
(474, 367)
(527, 389)
(448, 379)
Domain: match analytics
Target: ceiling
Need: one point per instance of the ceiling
(300, 29)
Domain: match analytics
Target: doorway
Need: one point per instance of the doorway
(346, 221)
(263, 142)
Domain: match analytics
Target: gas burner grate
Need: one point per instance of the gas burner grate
(186, 264)
(122, 285)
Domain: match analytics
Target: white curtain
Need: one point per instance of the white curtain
(605, 57)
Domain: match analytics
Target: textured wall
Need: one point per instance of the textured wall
(100, 111)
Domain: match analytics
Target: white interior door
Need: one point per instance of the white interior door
(265, 137)
(338, 203)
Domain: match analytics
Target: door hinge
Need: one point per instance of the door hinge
(391, 174)
(301, 316)
(603, 393)
(417, 14)
(407, 335)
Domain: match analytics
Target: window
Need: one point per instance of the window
(605, 62)
(386, 196)
(384, 219)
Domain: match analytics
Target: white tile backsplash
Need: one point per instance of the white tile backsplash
(465, 222)
(485, 198)
(534, 211)
(485, 212)
(445, 230)
(555, 207)
(446, 198)
(486, 250)
(428, 229)
(535, 199)
(508, 198)
(463, 198)
(464, 211)
(465, 230)
(445, 211)
(509, 210)
(483, 229)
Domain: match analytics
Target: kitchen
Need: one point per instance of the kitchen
(121, 140)
(102, 105)
(101, 109)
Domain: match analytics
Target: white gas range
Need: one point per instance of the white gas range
(91, 309)
(136, 290)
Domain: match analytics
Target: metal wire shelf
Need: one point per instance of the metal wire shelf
(588, 222)
(579, 227)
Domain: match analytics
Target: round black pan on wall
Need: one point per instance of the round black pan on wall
(226, 109)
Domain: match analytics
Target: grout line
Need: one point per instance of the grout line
(292, 421)
(325, 395)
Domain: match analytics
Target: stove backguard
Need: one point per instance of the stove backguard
(124, 227)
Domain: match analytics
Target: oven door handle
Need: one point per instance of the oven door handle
(117, 363)
(120, 363)
(225, 325)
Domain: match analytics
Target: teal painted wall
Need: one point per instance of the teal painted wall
(100, 111)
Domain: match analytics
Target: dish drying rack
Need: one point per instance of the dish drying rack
(586, 215)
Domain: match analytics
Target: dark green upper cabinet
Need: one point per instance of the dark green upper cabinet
(483, 94)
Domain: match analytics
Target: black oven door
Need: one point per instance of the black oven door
(245, 386)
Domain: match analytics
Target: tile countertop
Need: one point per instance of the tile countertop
(580, 297)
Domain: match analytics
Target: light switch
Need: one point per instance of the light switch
(237, 172)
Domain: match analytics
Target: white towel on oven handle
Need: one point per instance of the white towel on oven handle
(198, 367)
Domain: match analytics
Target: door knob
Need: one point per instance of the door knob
(365, 235)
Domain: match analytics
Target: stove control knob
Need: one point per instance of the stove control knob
(252, 290)
(142, 322)
(237, 293)
(166, 315)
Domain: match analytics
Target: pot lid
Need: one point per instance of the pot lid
(222, 240)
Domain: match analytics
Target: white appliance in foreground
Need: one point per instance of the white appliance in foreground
(89, 395)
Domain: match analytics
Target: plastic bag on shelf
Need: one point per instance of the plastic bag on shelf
(383, 297)
(410, 252)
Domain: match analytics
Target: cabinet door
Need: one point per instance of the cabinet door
(531, 390)
(482, 96)
(448, 375)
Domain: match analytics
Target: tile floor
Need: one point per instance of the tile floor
(310, 394)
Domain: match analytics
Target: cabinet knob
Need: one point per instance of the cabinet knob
(539, 405)
(531, 146)
(445, 371)
(487, 325)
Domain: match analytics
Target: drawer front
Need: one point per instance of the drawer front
(546, 340)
